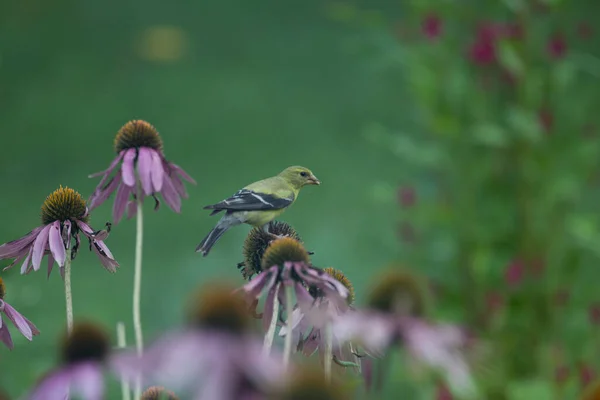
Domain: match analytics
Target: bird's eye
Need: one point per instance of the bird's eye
(303, 173)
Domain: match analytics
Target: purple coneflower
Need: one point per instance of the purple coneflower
(311, 329)
(85, 355)
(215, 358)
(286, 263)
(394, 318)
(64, 215)
(26, 327)
(138, 145)
(158, 393)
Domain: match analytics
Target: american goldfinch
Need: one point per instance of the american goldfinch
(258, 203)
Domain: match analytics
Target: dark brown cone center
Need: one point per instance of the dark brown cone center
(63, 204)
(136, 134)
(87, 342)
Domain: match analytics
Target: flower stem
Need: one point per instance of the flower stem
(328, 352)
(68, 294)
(289, 308)
(137, 289)
(122, 343)
(270, 335)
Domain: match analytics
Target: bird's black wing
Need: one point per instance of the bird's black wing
(247, 200)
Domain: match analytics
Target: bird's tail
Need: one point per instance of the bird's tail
(215, 234)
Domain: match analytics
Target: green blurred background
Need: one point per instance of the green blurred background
(373, 96)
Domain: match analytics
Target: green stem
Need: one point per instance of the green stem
(68, 294)
(270, 335)
(137, 289)
(122, 343)
(289, 308)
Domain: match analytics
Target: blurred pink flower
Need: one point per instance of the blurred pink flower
(561, 374)
(483, 52)
(514, 272)
(407, 196)
(557, 46)
(586, 374)
(594, 314)
(546, 119)
(431, 26)
(584, 30)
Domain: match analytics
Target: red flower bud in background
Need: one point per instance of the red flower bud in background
(514, 273)
(431, 26)
(557, 46)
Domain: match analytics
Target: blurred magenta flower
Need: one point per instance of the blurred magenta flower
(139, 148)
(514, 272)
(158, 393)
(215, 358)
(23, 325)
(431, 26)
(64, 215)
(407, 196)
(557, 46)
(594, 313)
(85, 355)
(483, 50)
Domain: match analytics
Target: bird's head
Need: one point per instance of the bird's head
(299, 176)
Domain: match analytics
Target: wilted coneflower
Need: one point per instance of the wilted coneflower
(26, 327)
(215, 358)
(256, 244)
(286, 263)
(64, 215)
(307, 383)
(84, 356)
(158, 393)
(392, 318)
(311, 329)
(139, 148)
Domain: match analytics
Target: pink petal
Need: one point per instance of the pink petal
(87, 380)
(144, 166)
(131, 208)
(127, 168)
(57, 247)
(87, 230)
(5, 336)
(102, 194)
(39, 246)
(19, 321)
(179, 186)
(16, 247)
(54, 386)
(25, 265)
(157, 171)
(182, 173)
(107, 171)
(16, 261)
(50, 263)
(120, 202)
(105, 256)
(170, 195)
(269, 308)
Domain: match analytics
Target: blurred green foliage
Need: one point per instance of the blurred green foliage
(484, 113)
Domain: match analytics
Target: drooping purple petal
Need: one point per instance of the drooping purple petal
(131, 208)
(269, 307)
(304, 299)
(120, 202)
(16, 247)
(5, 336)
(39, 246)
(17, 260)
(178, 185)
(57, 247)
(374, 332)
(55, 386)
(110, 169)
(85, 228)
(50, 263)
(105, 256)
(182, 173)
(312, 342)
(157, 171)
(265, 279)
(144, 168)
(19, 321)
(27, 262)
(101, 194)
(66, 234)
(170, 194)
(128, 167)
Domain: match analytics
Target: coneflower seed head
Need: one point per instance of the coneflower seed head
(256, 244)
(2, 289)
(87, 342)
(218, 307)
(63, 204)
(311, 384)
(398, 292)
(158, 393)
(283, 250)
(343, 279)
(136, 134)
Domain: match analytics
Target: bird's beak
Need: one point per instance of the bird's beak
(314, 181)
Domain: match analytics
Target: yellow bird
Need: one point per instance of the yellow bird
(258, 203)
